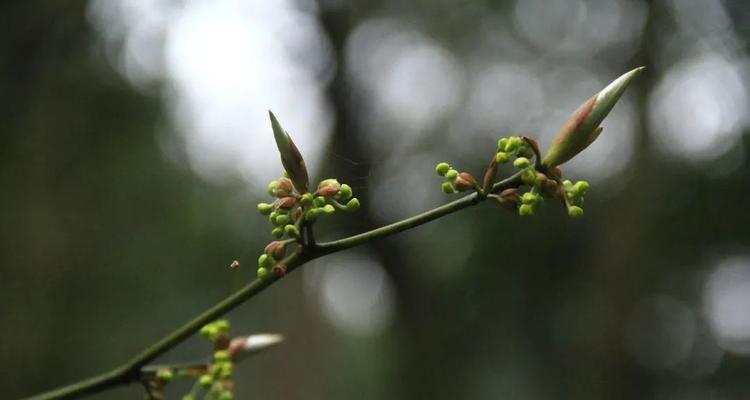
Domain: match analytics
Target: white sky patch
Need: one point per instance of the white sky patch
(224, 63)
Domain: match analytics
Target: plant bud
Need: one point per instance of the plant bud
(275, 249)
(312, 214)
(262, 272)
(582, 127)
(291, 158)
(528, 176)
(328, 209)
(489, 176)
(525, 209)
(291, 230)
(319, 201)
(502, 157)
(575, 211)
(451, 174)
(277, 232)
(447, 188)
(328, 187)
(264, 208)
(281, 219)
(284, 203)
(352, 205)
(442, 168)
(345, 192)
(306, 199)
(283, 188)
(521, 162)
(464, 182)
(509, 199)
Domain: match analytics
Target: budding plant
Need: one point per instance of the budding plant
(296, 206)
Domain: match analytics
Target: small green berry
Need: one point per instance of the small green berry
(575, 211)
(502, 157)
(264, 208)
(352, 205)
(262, 272)
(442, 168)
(525, 209)
(447, 188)
(521, 162)
(451, 174)
(277, 232)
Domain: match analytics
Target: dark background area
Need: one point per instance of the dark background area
(113, 231)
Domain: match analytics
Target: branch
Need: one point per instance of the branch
(132, 371)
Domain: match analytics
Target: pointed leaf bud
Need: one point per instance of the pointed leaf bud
(328, 187)
(442, 168)
(582, 128)
(489, 176)
(291, 158)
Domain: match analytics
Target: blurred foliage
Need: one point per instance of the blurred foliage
(107, 244)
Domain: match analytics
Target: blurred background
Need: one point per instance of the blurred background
(134, 145)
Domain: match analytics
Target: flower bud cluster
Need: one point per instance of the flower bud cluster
(574, 194)
(216, 380)
(508, 147)
(455, 181)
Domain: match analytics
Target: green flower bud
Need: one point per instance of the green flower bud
(352, 205)
(525, 209)
(581, 187)
(451, 174)
(222, 325)
(226, 395)
(282, 220)
(442, 168)
(328, 209)
(272, 186)
(205, 381)
(226, 371)
(277, 232)
(345, 192)
(502, 157)
(221, 355)
(165, 374)
(319, 201)
(582, 128)
(528, 176)
(306, 199)
(521, 162)
(262, 272)
(291, 230)
(264, 208)
(529, 198)
(312, 214)
(272, 217)
(575, 211)
(501, 143)
(447, 188)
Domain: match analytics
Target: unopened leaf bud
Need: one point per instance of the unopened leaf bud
(442, 168)
(352, 205)
(575, 211)
(521, 162)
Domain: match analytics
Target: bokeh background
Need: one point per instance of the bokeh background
(134, 145)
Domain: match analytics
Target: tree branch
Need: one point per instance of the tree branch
(132, 370)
